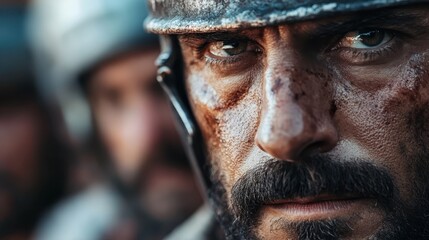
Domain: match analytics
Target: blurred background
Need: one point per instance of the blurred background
(88, 147)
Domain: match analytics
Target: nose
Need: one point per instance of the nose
(142, 124)
(297, 114)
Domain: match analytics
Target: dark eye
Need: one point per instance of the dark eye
(366, 39)
(228, 48)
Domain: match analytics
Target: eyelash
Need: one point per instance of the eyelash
(358, 55)
(199, 51)
(213, 61)
(362, 55)
(369, 55)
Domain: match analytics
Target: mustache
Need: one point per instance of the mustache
(278, 180)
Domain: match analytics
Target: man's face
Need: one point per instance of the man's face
(130, 109)
(136, 125)
(318, 129)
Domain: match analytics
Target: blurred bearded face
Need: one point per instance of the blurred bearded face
(131, 111)
(318, 129)
(136, 125)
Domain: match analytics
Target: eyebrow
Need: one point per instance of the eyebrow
(194, 38)
(333, 26)
(388, 19)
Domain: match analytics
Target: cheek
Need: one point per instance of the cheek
(391, 123)
(134, 131)
(112, 134)
(237, 127)
(107, 127)
(228, 118)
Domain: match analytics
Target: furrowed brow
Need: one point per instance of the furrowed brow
(338, 26)
(386, 19)
(189, 38)
(199, 41)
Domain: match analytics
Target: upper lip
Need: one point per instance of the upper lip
(316, 199)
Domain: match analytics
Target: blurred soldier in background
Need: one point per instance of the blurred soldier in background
(32, 156)
(96, 61)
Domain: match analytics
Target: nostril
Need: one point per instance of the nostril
(312, 148)
(318, 146)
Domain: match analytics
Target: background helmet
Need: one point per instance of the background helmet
(16, 68)
(72, 36)
(172, 17)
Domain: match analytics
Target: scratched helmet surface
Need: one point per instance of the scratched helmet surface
(197, 16)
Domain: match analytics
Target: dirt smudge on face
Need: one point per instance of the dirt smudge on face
(412, 88)
(233, 98)
(278, 83)
(209, 125)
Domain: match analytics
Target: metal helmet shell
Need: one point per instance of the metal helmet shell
(72, 36)
(16, 66)
(197, 16)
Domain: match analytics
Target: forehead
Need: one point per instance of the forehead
(126, 68)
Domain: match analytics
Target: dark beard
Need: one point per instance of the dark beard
(167, 155)
(284, 180)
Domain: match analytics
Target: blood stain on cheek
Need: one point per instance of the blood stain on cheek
(410, 89)
(405, 105)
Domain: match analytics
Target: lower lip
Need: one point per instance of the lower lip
(318, 210)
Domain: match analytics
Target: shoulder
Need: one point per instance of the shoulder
(85, 216)
(198, 227)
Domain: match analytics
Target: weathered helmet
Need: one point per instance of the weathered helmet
(171, 17)
(194, 16)
(72, 36)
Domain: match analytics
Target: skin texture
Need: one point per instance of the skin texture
(298, 91)
(135, 123)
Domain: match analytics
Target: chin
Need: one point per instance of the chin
(364, 225)
(325, 219)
